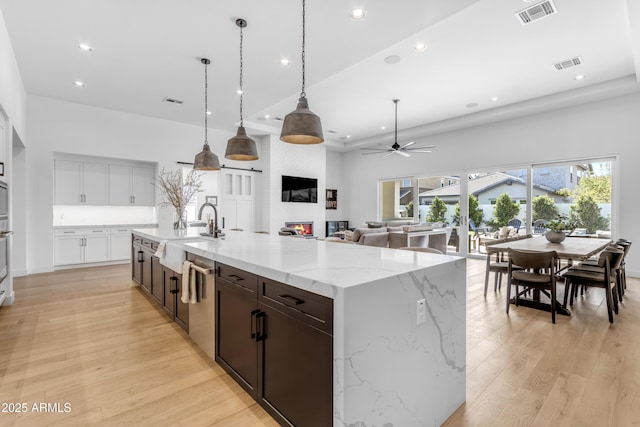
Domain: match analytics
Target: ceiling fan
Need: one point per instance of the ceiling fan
(402, 150)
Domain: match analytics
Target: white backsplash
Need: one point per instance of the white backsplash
(103, 215)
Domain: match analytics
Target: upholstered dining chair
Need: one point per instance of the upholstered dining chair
(533, 270)
(608, 262)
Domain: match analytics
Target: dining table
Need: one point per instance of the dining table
(570, 249)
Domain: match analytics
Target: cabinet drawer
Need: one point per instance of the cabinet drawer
(149, 243)
(81, 231)
(238, 277)
(120, 230)
(311, 308)
(137, 239)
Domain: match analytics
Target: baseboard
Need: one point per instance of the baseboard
(92, 264)
(19, 273)
(635, 274)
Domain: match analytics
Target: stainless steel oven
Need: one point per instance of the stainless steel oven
(4, 200)
(4, 240)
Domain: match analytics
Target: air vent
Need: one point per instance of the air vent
(172, 100)
(280, 119)
(331, 131)
(568, 63)
(536, 12)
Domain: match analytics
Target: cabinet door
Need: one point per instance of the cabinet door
(120, 185)
(94, 180)
(120, 247)
(96, 248)
(147, 276)
(67, 182)
(170, 292)
(295, 370)
(69, 250)
(137, 259)
(181, 309)
(157, 280)
(142, 188)
(236, 346)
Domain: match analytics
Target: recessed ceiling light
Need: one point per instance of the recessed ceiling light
(266, 116)
(357, 13)
(85, 47)
(471, 105)
(78, 83)
(494, 99)
(208, 113)
(285, 62)
(239, 92)
(348, 136)
(392, 59)
(383, 127)
(420, 47)
(580, 77)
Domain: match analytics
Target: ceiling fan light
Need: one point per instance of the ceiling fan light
(241, 147)
(206, 160)
(302, 126)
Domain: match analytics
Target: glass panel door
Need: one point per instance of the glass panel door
(439, 201)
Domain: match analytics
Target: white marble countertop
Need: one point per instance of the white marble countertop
(310, 261)
(170, 234)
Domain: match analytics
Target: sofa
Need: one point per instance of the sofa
(390, 234)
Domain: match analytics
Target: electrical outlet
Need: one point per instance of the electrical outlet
(421, 314)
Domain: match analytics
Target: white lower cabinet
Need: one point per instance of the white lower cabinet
(81, 245)
(120, 244)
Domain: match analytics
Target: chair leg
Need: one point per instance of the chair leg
(486, 280)
(497, 279)
(614, 297)
(567, 285)
(508, 294)
(620, 290)
(607, 293)
(553, 306)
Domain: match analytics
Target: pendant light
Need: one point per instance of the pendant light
(206, 160)
(301, 126)
(241, 147)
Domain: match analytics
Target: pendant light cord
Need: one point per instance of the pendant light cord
(303, 94)
(241, 83)
(206, 87)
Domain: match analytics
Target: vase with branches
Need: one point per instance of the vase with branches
(178, 191)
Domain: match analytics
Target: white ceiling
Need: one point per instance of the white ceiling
(145, 50)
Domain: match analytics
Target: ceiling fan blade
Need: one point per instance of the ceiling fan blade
(402, 153)
(408, 144)
(422, 147)
(373, 152)
(388, 154)
(376, 149)
(421, 151)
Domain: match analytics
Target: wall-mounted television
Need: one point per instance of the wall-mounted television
(300, 190)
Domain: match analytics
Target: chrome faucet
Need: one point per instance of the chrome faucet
(215, 217)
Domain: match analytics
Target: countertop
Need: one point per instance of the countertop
(104, 225)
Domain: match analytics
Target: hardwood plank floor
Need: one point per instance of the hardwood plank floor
(94, 340)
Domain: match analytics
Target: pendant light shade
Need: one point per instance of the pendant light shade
(206, 160)
(241, 147)
(302, 126)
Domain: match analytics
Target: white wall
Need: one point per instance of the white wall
(335, 182)
(306, 161)
(58, 126)
(12, 94)
(603, 128)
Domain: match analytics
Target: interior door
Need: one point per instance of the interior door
(238, 201)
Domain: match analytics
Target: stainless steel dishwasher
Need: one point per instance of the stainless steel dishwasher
(202, 314)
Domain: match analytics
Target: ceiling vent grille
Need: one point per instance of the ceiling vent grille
(172, 100)
(536, 12)
(568, 63)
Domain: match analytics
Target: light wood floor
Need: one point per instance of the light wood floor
(91, 339)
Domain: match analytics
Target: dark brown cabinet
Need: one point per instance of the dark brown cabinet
(172, 303)
(276, 342)
(137, 259)
(157, 280)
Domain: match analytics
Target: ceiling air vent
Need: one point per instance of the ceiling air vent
(536, 12)
(568, 63)
(172, 100)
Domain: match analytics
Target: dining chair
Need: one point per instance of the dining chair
(539, 226)
(532, 270)
(591, 264)
(600, 277)
(515, 223)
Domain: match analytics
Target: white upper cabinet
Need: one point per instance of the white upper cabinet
(131, 185)
(87, 180)
(80, 183)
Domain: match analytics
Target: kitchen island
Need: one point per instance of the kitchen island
(387, 368)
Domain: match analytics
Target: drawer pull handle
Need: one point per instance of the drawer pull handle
(174, 279)
(294, 300)
(236, 277)
(140, 256)
(260, 326)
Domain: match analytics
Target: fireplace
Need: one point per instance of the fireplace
(304, 228)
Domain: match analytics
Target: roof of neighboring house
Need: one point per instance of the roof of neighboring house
(479, 185)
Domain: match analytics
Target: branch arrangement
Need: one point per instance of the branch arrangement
(178, 191)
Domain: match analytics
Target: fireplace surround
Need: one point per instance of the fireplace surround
(304, 228)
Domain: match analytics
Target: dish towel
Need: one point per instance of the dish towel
(186, 280)
(160, 252)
